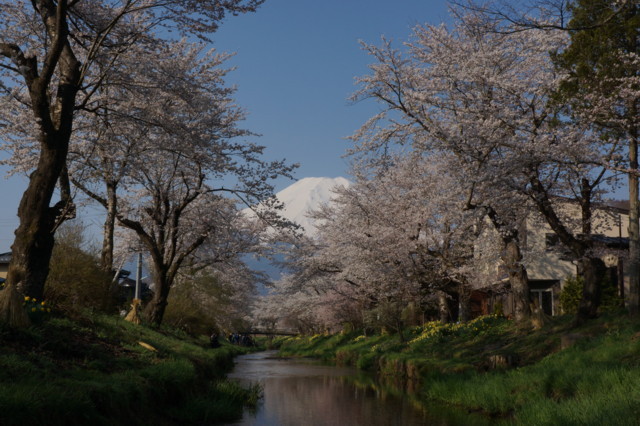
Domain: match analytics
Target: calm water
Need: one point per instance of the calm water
(301, 393)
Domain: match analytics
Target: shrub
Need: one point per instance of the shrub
(76, 280)
(203, 301)
(388, 316)
(571, 295)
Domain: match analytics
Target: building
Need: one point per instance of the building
(549, 264)
(5, 258)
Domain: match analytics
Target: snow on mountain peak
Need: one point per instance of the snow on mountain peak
(306, 195)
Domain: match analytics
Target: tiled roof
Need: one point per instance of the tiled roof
(619, 204)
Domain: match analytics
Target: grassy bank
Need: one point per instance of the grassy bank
(514, 374)
(102, 370)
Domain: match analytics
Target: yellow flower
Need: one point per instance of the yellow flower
(42, 303)
(27, 298)
(33, 309)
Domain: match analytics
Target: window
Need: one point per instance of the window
(544, 299)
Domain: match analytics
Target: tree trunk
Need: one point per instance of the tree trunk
(512, 259)
(443, 307)
(634, 230)
(593, 271)
(464, 312)
(106, 258)
(53, 114)
(33, 245)
(155, 309)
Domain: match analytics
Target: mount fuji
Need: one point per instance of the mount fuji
(306, 195)
(299, 199)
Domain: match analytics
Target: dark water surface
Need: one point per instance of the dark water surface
(303, 393)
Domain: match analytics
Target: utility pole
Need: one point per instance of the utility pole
(133, 315)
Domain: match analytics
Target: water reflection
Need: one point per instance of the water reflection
(303, 393)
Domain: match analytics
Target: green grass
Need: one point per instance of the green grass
(93, 370)
(594, 382)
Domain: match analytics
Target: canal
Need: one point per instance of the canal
(302, 392)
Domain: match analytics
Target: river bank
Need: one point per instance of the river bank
(101, 370)
(511, 373)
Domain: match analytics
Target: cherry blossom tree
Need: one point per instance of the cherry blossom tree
(156, 144)
(48, 52)
(147, 93)
(601, 82)
(216, 279)
(183, 227)
(485, 96)
(386, 245)
(174, 195)
(431, 106)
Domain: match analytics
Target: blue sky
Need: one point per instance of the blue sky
(296, 63)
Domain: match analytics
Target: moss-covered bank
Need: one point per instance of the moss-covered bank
(516, 375)
(102, 370)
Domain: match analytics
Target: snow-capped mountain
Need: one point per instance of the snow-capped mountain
(299, 198)
(305, 195)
